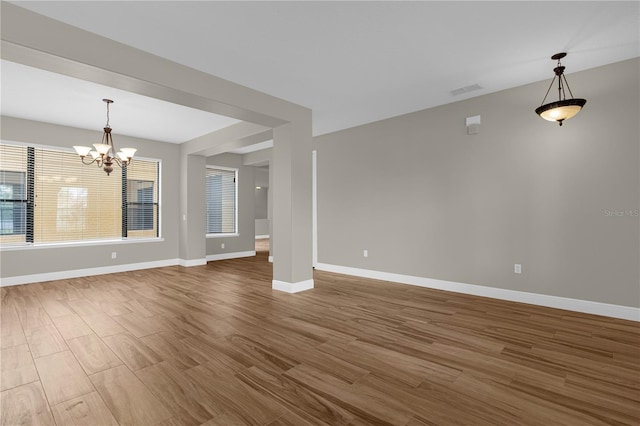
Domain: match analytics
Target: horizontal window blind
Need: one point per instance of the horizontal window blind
(73, 201)
(13, 194)
(221, 200)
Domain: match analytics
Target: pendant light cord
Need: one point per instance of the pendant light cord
(107, 114)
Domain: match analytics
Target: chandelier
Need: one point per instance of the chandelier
(105, 154)
(563, 108)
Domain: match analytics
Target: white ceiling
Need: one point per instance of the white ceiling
(358, 62)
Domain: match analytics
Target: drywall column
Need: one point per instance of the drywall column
(291, 225)
(192, 210)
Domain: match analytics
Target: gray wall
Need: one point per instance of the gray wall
(261, 176)
(260, 202)
(428, 200)
(261, 210)
(46, 260)
(245, 241)
(262, 227)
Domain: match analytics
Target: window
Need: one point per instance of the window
(140, 205)
(221, 193)
(13, 194)
(142, 200)
(72, 201)
(13, 203)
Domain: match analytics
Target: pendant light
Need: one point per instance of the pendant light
(563, 108)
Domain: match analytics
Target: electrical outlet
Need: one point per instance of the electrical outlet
(222, 245)
(366, 253)
(517, 268)
(114, 254)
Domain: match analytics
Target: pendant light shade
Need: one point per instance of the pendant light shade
(561, 110)
(564, 108)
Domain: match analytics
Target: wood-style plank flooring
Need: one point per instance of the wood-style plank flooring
(214, 345)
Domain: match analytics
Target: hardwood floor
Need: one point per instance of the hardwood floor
(214, 345)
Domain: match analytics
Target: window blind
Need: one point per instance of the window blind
(221, 201)
(73, 201)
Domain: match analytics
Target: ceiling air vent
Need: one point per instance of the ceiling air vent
(465, 89)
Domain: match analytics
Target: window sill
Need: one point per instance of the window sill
(80, 244)
(222, 235)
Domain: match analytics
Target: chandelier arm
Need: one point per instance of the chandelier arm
(89, 163)
(549, 89)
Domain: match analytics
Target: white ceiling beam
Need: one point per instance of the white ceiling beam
(257, 158)
(226, 139)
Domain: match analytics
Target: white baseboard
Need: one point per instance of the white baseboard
(192, 262)
(292, 287)
(261, 237)
(577, 305)
(223, 256)
(271, 259)
(75, 273)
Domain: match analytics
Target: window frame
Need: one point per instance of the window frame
(27, 245)
(223, 234)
